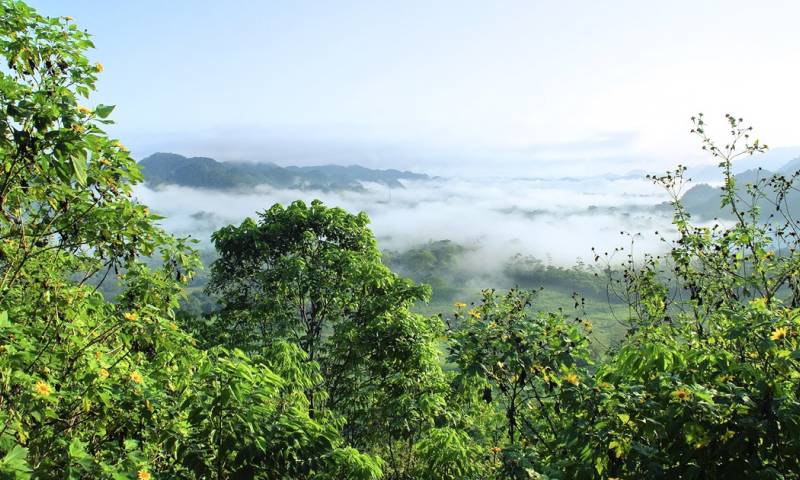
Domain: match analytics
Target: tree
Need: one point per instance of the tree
(527, 367)
(96, 389)
(313, 275)
(705, 383)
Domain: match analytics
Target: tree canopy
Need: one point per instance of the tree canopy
(313, 363)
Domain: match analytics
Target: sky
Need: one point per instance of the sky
(522, 88)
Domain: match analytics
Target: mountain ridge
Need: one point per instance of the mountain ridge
(704, 200)
(164, 168)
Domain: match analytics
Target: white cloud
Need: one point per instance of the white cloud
(544, 218)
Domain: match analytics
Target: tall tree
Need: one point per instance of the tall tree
(313, 275)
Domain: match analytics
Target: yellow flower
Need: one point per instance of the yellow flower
(474, 313)
(779, 333)
(77, 128)
(98, 354)
(136, 377)
(103, 373)
(681, 394)
(42, 389)
(68, 18)
(131, 316)
(587, 324)
(84, 110)
(572, 378)
(495, 450)
(143, 475)
(459, 305)
(98, 66)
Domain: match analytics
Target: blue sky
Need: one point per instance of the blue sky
(521, 86)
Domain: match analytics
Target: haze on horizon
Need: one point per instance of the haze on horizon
(523, 88)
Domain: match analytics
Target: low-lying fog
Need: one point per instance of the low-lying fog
(556, 220)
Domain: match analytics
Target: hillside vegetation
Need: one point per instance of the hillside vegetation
(204, 172)
(312, 362)
(756, 187)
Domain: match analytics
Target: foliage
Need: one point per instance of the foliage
(448, 454)
(705, 385)
(529, 366)
(313, 276)
(203, 172)
(435, 264)
(533, 273)
(313, 366)
(94, 389)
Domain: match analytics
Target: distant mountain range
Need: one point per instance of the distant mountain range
(203, 172)
(703, 200)
(773, 159)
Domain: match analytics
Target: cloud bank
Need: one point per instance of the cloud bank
(559, 220)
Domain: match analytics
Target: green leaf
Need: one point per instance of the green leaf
(79, 169)
(104, 111)
(77, 449)
(16, 461)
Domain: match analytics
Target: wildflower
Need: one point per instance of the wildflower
(474, 314)
(143, 475)
(68, 18)
(572, 378)
(681, 394)
(84, 110)
(42, 389)
(495, 450)
(98, 66)
(779, 333)
(136, 377)
(131, 316)
(587, 325)
(459, 305)
(98, 354)
(77, 128)
(103, 373)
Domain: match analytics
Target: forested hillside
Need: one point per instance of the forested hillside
(756, 187)
(312, 361)
(203, 172)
